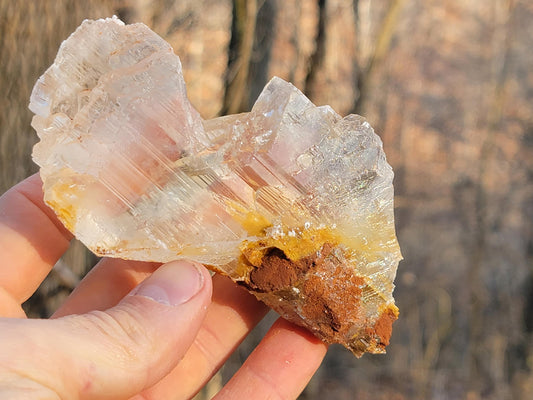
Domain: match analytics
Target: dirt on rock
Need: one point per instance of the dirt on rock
(324, 294)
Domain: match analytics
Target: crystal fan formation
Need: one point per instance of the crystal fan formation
(289, 200)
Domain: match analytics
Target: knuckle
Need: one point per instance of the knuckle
(124, 329)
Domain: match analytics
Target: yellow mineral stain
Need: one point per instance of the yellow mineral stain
(59, 197)
(371, 239)
(389, 309)
(255, 223)
(252, 222)
(301, 242)
(296, 244)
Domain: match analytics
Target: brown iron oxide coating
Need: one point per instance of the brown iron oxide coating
(321, 294)
(383, 326)
(277, 272)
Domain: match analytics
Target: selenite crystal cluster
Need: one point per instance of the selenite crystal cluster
(289, 200)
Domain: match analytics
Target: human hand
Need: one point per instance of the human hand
(131, 329)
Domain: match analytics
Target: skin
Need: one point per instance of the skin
(131, 330)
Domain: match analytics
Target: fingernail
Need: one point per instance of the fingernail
(172, 284)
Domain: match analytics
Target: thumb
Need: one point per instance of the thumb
(113, 354)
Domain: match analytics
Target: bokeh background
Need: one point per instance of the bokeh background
(448, 85)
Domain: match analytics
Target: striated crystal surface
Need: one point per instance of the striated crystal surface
(290, 200)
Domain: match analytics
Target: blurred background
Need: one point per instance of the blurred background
(448, 85)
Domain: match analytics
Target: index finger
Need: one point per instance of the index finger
(32, 239)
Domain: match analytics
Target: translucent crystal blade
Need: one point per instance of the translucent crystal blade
(290, 200)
